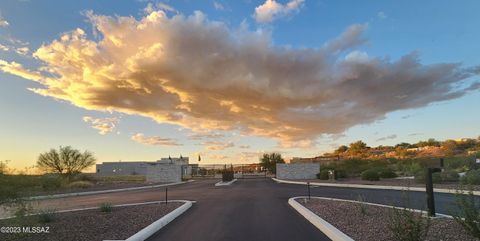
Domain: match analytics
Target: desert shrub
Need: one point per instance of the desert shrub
(51, 182)
(340, 173)
(323, 174)
(472, 177)
(80, 184)
(361, 205)
(370, 175)
(449, 176)
(414, 168)
(436, 177)
(406, 225)
(386, 173)
(468, 214)
(84, 177)
(46, 216)
(460, 163)
(117, 179)
(106, 207)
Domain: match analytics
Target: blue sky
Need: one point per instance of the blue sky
(437, 31)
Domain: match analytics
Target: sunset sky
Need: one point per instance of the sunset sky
(141, 80)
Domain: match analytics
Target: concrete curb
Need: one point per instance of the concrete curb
(333, 233)
(441, 215)
(221, 183)
(160, 223)
(378, 187)
(53, 196)
(93, 208)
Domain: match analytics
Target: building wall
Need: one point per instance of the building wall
(298, 170)
(122, 168)
(164, 173)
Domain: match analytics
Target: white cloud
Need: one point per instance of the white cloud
(4, 48)
(154, 140)
(218, 6)
(203, 76)
(381, 15)
(271, 9)
(103, 125)
(3, 22)
(22, 50)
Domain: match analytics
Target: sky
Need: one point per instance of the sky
(230, 80)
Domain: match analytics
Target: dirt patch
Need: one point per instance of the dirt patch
(90, 225)
(373, 223)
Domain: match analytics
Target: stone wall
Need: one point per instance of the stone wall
(122, 168)
(164, 173)
(298, 170)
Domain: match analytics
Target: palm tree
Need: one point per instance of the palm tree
(66, 161)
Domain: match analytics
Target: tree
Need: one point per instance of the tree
(4, 167)
(449, 147)
(341, 149)
(358, 147)
(66, 161)
(269, 161)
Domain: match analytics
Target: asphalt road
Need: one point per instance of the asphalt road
(249, 209)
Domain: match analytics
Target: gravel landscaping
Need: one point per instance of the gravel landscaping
(391, 182)
(373, 224)
(91, 225)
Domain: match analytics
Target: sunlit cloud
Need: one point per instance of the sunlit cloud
(3, 22)
(154, 140)
(244, 146)
(217, 145)
(271, 9)
(103, 125)
(200, 136)
(204, 76)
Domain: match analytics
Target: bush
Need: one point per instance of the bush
(323, 174)
(468, 216)
(387, 173)
(436, 177)
(449, 176)
(106, 207)
(84, 177)
(80, 184)
(406, 225)
(370, 175)
(472, 177)
(51, 182)
(46, 216)
(339, 173)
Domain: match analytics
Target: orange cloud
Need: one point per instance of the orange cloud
(103, 125)
(201, 75)
(154, 140)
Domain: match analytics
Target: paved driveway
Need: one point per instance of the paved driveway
(250, 209)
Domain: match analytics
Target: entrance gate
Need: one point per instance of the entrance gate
(240, 170)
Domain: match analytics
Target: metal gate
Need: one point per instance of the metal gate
(240, 170)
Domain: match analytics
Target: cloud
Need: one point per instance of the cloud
(415, 134)
(103, 125)
(218, 6)
(217, 145)
(390, 137)
(22, 50)
(271, 9)
(154, 140)
(159, 6)
(203, 76)
(4, 48)
(244, 146)
(3, 22)
(200, 136)
(381, 15)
